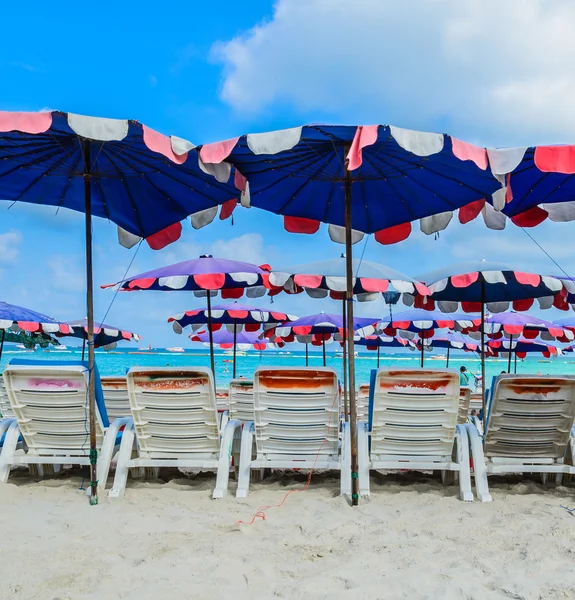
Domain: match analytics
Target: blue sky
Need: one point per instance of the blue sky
(206, 71)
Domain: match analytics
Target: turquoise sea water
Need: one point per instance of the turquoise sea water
(119, 361)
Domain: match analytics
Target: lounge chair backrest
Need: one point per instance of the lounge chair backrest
(116, 397)
(174, 409)
(530, 416)
(464, 403)
(50, 403)
(363, 403)
(241, 399)
(414, 412)
(222, 400)
(296, 411)
(5, 408)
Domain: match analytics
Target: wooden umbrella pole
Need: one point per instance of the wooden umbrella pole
(510, 352)
(515, 364)
(483, 399)
(90, 311)
(350, 341)
(422, 348)
(83, 345)
(344, 358)
(447, 361)
(235, 338)
(306, 356)
(323, 346)
(378, 356)
(211, 337)
(2, 342)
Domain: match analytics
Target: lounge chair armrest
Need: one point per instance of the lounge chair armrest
(5, 424)
(117, 424)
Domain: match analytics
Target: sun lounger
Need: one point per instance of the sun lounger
(296, 425)
(116, 397)
(413, 425)
(241, 399)
(175, 424)
(50, 404)
(528, 429)
(5, 408)
(464, 403)
(362, 402)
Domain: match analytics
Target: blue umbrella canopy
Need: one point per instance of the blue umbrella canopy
(20, 318)
(538, 183)
(325, 277)
(396, 176)
(141, 180)
(121, 170)
(104, 335)
(496, 284)
(420, 321)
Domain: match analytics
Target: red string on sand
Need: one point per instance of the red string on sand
(261, 511)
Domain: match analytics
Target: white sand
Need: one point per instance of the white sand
(414, 540)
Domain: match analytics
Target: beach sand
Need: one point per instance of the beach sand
(414, 539)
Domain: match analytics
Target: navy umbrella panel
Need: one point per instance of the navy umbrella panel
(143, 181)
(406, 176)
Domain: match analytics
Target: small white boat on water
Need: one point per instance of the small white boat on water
(438, 357)
(175, 349)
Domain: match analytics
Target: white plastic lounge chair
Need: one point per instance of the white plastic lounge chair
(296, 425)
(529, 423)
(222, 399)
(464, 402)
(116, 397)
(175, 424)
(5, 408)
(50, 404)
(241, 399)
(363, 403)
(414, 426)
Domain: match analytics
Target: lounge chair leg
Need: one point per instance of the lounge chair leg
(462, 448)
(245, 460)
(225, 460)
(345, 474)
(479, 469)
(363, 459)
(8, 450)
(124, 456)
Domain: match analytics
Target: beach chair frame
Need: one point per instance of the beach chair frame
(33, 422)
(413, 425)
(529, 429)
(185, 433)
(295, 430)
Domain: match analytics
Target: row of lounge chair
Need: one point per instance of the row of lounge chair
(286, 418)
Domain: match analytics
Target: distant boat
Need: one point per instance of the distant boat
(60, 348)
(438, 357)
(175, 349)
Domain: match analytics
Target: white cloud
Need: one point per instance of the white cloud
(66, 274)
(10, 243)
(245, 248)
(492, 71)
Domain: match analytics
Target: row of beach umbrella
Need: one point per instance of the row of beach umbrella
(358, 179)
